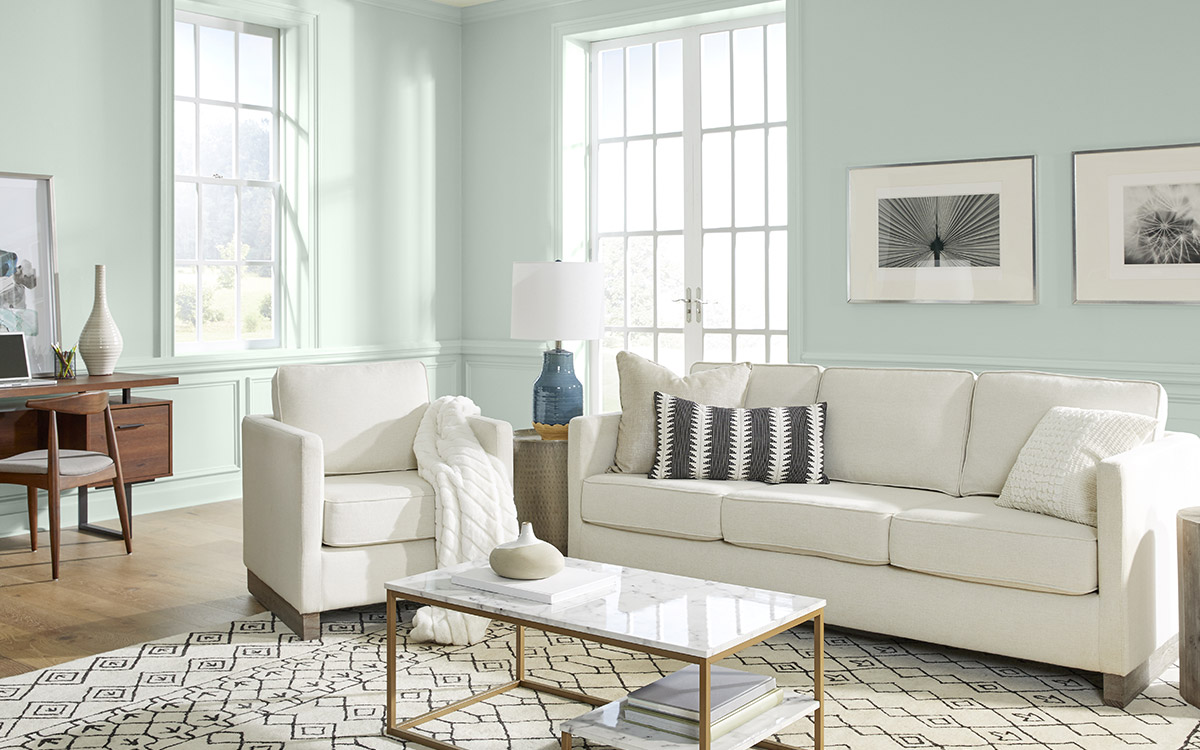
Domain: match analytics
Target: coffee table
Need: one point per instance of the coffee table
(694, 621)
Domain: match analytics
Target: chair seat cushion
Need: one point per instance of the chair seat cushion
(973, 539)
(388, 506)
(840, 521)
(71, 463)
(683, 508)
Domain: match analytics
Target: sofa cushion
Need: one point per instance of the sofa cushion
(972, 539)
(776, 385)
(840, 521)
(390, 506)
(1008, 405)
(684, 508)
(905, 428)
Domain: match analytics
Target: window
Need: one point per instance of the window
(689, 195)
(227, 249)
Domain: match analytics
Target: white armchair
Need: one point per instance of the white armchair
(332, 504)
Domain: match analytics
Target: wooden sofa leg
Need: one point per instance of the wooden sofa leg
(305, 625)
(1120, 690)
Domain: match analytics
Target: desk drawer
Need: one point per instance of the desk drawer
(143, 439)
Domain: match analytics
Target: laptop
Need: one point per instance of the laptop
(14, 362)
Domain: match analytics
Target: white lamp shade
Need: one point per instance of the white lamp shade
(555, 301)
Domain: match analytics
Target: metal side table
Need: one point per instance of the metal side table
(540, 485)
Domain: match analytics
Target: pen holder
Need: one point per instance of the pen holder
(64, 363)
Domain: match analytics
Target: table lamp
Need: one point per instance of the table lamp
(556, 301)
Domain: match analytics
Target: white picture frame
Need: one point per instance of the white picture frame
(28, 266)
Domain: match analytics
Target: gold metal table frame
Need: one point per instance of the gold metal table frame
(404, 730)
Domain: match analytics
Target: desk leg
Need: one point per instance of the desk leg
(390, 716)
(819, 681)
(91, 528)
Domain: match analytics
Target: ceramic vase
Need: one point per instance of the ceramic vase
(100, 342)
(526, 557)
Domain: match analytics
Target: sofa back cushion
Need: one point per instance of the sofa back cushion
(365, 414)
(899, 427)
(776, 385)
(1009, 405)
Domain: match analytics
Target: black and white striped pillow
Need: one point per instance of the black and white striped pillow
(772, 444)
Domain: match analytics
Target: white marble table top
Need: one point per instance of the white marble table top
(674, 613)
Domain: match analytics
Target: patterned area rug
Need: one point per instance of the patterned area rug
(253, 686)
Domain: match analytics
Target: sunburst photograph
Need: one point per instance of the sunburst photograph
(1162, 224)
(940, 231)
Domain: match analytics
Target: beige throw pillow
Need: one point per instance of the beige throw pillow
(640, 378)
(1055, 472)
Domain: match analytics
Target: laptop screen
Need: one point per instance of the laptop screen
(13, 363)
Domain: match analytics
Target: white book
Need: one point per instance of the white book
(678, 694)
(568, 583)
(691, 729)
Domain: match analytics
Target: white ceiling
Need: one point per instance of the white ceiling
(462, 3)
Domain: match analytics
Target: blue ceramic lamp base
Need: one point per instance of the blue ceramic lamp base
(557, 395)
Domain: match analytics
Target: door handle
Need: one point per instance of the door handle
(686, 299)
(699, 306)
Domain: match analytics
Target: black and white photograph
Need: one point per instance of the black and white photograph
(940, 231)
(1162, 224)
(28, 303)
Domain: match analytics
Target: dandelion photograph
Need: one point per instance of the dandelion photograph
(1162, 224)
(940, 231)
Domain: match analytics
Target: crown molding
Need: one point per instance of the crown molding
(502, 8)
(423, 8)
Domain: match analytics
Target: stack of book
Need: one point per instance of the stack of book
(672, 704)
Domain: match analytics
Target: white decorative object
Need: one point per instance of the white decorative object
(100, 342)
(567, 585)
(526, 557)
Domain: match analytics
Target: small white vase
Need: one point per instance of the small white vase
(526, 557)
(100, 342)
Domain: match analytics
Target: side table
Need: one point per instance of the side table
(540, 485)
(1188, 541)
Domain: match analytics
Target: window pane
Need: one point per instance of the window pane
(779, 350)
(612, 259)
(714, 80)
(185, 59)
(750, 281)
(613, 342)
(254, 145)
(639, 186)
(669, 184)
(670, 352)
(779, 281)
(717, 281)
(258, 302)
(612, 187)
(716, 181)
(185, 138)
(642, 344)
(718, 347)
(641, 282)
(255, 68)
(777, 197)
(668, 87)
(257, 223)
(748, 85)
(185, 303)
(216, 141)
(218, 205)
(218, 295)
(748, 190)
(669, 279)
(751, 348)
(776, 73)
(612, 93)
(185, 221)
(639, 97)
(216, 64)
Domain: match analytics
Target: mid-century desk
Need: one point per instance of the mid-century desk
(143, 428)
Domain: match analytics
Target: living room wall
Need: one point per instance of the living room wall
(879, 82)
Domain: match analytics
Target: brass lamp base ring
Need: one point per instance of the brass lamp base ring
(551, 431)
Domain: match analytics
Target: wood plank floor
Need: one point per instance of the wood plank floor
(185, 574)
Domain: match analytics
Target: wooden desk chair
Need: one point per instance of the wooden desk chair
(55, 470)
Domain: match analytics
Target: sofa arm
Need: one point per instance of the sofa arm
(495, 436)
(1138, 494)
(283, 482)
(591, 450)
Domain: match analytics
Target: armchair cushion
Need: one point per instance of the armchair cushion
(389, 506)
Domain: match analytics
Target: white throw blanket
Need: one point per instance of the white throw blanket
(474, 508)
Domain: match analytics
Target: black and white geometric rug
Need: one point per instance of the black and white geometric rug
(253, 686)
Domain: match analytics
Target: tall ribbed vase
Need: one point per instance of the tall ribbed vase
(100, 342)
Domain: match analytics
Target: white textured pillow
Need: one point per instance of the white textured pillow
(1055, 472)
(640, 378)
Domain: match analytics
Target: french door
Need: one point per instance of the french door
(689, 195)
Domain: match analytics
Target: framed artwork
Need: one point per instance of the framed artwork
(28, 265)
(1137, 225)
(954, 231)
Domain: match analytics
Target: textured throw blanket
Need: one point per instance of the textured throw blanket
(475, 509)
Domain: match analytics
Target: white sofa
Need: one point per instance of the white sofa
(906, 539)
(332, 505)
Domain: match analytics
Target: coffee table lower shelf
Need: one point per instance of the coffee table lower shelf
(604, 725)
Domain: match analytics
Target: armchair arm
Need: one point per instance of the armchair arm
(496, 437)
(1138, 494)
(591, 450)
(283, 487)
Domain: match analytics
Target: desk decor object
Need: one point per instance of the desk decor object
(1137, 225)
(572, 585)
(557, 301)
(64, 362)
(954, 231)
(526, 557)
(100, 342)
(28, 272)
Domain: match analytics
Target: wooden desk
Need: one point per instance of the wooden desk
(143, 425)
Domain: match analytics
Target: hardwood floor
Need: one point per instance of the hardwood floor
(185, 574)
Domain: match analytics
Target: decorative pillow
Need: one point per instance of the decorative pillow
(1055, 472)
(640, 378)
(772, 444)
